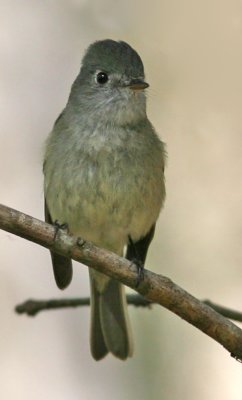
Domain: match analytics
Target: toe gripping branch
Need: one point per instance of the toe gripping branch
(137, 261)
(59, 226)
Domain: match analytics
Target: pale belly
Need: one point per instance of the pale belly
(106, 207)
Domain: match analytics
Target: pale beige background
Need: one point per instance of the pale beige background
(192, 52)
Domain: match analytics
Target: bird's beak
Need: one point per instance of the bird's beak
(137, 84)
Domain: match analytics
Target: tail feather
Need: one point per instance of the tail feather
(110, 328)
(98, 346)
(114, 320)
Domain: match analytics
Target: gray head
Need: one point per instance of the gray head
(113, 58)
(111, 80)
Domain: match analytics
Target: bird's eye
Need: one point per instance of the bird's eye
(101, 78)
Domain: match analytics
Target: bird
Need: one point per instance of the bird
(104, 178)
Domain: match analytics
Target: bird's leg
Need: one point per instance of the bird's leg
(136, 260)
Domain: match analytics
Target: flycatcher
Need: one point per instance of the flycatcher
(104, 178)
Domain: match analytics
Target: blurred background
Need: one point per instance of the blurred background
(192, 52)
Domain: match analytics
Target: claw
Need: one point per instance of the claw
(80, 242)
(140, 272)
(59, 226)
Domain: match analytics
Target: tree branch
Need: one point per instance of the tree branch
(156, 288)
(32, 307)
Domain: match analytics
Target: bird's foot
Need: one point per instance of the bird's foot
(80, 242)
(140, 271)
(59, 226)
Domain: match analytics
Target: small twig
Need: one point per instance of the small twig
(225, 311)
(156, 288)
(32, 307)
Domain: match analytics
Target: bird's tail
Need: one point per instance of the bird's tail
(110, 328)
